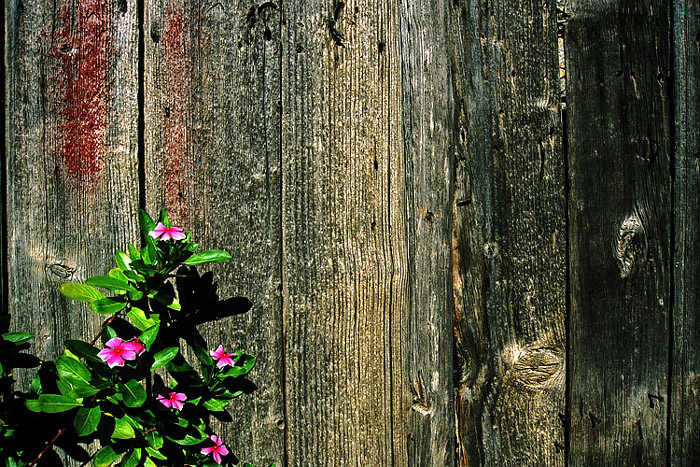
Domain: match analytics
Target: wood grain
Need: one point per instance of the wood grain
(344, 235)
(618, 67)
(428, 120)
(71, 159)
(71, 149)
(212, 140)
(685, 384)
(509, 239)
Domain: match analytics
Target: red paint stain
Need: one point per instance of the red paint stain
(80, 44)
(175, 102)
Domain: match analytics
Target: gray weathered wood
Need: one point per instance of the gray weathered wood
(428, 120)
(685, 384)
(72, 181)
(212, 139)
(617, 68)
(71, 158)
(509, 243)
(344, 236)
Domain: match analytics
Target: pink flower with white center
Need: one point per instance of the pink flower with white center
(172, 400)
(117, 351)
(217, 450)
(223, 357)
(166, 233)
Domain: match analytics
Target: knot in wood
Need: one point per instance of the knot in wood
(59, 272)
(421, 404)
(538, 367)
(630, 244)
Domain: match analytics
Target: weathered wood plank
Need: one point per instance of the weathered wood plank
(71, 158)
(428, 120)
(509, 240)
(72, 179)
(212, 139)
(617, 67)
(344, 235)
(685, 384)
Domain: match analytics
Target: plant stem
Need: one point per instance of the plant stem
(48, 446)
(109, 321)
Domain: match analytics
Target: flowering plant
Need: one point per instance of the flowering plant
(115, 393)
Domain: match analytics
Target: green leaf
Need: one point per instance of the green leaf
(116, 273)
(203, 356)
(167, 300)
(33, 404)
(134, 276)
(147, 259)
(164, 218)
(108, 334)
(35, 387)
(190, 246)
(105, 457)
(244, 364)
(138, 318)
(189, 439)
(131, 459)
(154, 440)
(80, 392)
(146, 222)
(215, 405)
(81, 292)
(84, 350)
(147, 462)
(248, 361)
(123, 260)
(208, 256)
(122, 430)
(133, 252)
(228, 394)
(156, 453)
(133, 392)
(55, 403)
(149, 336)
(18, 338)
(107, 306)
(86, 420)
(164, 356)
(147, 225)
(65, 388)
(109, 283)
(135, 296)
(73, 371)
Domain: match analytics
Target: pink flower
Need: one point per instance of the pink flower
(172, 400)
(222, 357)
(216, 451)
(166, 233)
(117, 351)
(136, 345)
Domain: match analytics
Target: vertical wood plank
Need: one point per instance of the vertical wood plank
(71, 145)
(509, 240)
(344, 233)
(428, 108)
(212, 139)
(685, 384)
(71, 159)
(617, 67)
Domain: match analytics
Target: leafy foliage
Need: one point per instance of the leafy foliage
(116, 393)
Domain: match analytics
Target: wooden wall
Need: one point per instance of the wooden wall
(468, 228)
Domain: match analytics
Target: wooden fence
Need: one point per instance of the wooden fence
(469, 228)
